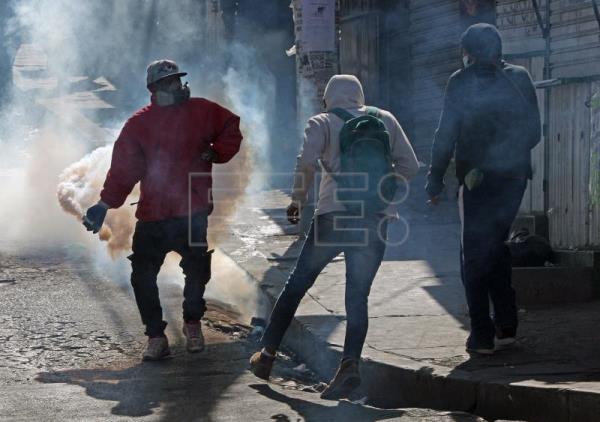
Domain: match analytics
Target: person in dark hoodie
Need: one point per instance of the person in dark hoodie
(160, 146)
(490, 122)
(331, 229)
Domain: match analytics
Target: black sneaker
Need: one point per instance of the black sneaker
(480, 346)
(505, 337)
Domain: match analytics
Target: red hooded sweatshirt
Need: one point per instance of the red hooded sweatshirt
(161, 148)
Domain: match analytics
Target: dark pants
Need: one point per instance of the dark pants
(152, 241)
(488, 212)
(363, 242)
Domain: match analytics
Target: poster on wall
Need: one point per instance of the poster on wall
(318, 25)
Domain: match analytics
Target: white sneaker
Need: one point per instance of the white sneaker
(505, 343)
(505, 338)
(193, 335)
(156, 349)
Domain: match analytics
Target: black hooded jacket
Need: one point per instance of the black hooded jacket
(490, 121)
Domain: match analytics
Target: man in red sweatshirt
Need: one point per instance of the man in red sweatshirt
(169, 147)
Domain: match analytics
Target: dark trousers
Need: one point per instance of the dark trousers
(152, 241)
(363, 242)
(488, 212)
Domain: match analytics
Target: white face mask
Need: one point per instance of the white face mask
(466, 62)
(164, 98)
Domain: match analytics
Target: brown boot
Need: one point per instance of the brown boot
(156, 349)
(192, 330)
(346, 380)
(261, 365)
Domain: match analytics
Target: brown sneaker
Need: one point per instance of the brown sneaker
(346, 380)
(192, 330)
(156, 349)
(261, 365)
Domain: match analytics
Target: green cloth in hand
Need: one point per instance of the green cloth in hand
(473, 179)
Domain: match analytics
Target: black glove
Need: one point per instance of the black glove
(293, 213)
(94, 217)
(435, 184)
(434, 187)
(210, 155)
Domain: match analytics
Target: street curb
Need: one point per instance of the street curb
(406, 383)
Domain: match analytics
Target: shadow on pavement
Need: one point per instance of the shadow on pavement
(313, 411)
(184, 387)
(557, 345)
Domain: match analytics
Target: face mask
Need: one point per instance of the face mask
(466, 62)
(173, 96)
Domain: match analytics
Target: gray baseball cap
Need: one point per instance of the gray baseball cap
(161, 69)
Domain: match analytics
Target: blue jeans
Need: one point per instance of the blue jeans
(363, 242)
(488, 213)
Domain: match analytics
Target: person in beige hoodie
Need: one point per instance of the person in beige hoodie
(328, 235)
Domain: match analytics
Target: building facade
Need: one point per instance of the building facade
(559, 42)
(405, 50)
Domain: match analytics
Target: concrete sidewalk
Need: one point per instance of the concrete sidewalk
(418, 324)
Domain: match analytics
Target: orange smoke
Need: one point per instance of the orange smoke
(80, 185)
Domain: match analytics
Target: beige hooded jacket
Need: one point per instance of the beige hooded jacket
(321, 142)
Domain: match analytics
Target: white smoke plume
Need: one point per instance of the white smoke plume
(61, 97)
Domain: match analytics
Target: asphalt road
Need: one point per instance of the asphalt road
(70, 341)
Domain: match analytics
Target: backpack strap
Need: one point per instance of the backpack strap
(345, 115)
(373, 111)
(503, 73)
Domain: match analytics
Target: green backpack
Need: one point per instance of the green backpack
(367, 173)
